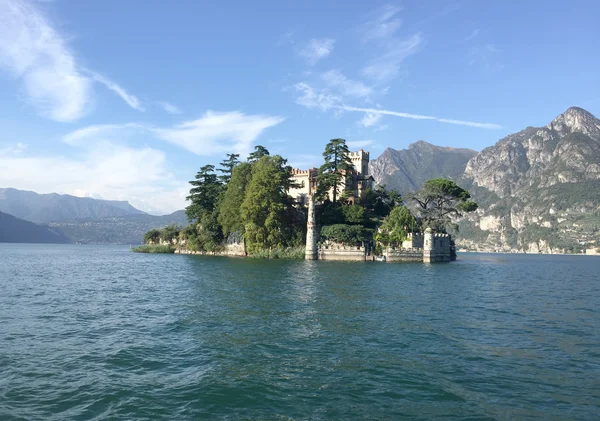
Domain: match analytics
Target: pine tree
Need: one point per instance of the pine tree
(336, 170)
(227, 167)
(204, 195)
(259, 152)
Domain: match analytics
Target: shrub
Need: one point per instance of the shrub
(341, 233)
(154, 248)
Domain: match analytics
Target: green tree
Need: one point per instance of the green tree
(266, 205)
(336, 169)
(229, 209)
(342, 233)
(259, 152)
(152, 236)
(227, 167)
(379, 202)
(354, 214)
(395, 226)
(439, 199)
(204, 195)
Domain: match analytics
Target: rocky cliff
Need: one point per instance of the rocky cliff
(538, 189)
(407, 169)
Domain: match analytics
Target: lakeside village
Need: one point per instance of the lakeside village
(264, 208)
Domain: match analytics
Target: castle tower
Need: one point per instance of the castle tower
(312, 253)
(428, 246)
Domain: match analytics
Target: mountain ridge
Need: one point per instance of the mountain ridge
(45, 208)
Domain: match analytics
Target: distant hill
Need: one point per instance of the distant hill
(15, 230)
(406, 170)
(44, 208)
(128, 229)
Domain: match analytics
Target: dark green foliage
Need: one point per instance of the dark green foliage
(396, 225)
(169, 233)
(439, 199)
(229, 210)
(259, 152)
(266, 208)
(227, 167)
(379, 202)
(329, 213)
(342, 233)
(204, 194)
(152, 236)
(336, 169)
(209, 235)
(354, 214)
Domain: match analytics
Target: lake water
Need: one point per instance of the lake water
(98, 332)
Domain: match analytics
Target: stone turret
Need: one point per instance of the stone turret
(312, 252)
(428, 246)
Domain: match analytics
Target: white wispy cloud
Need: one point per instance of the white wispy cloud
(421, 117)
(97, 131)
(310, 97)
(170, 108)
(382, 23)
(129, 99)
(212, 134)
(105, 170)
(316, 49)
(381, 31)
(35, 54)
(386, 66)
(219, 132)
(345, 86)
(370, 119)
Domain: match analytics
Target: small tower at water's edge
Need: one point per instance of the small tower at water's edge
(312, 252)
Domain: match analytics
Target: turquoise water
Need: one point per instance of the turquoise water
(97, 332)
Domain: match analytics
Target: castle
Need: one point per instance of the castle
(358, 180)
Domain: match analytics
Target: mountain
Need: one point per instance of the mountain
(128, 229)
(539, 189)
(15, 230)
(407, 169)
(44, 208)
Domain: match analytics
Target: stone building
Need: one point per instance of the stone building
(358, 181)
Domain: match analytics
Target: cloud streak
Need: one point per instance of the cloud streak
(129, 99)
(317, 49)
(421, 117)
(35, 54)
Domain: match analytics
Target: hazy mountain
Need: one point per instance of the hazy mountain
(128, 229)
(407, 169)
(44, 208)
(15, 230)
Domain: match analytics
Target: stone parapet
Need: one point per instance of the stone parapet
(348, 253)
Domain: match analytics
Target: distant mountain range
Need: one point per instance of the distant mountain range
(76, 219)
(15, 230)
(44, 208)
(538, 189)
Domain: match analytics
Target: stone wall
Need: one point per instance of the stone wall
(403, 255)
(347, 253)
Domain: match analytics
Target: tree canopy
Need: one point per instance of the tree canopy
(439, 199)
(259, 152)
(396, 226)
(336, 169)
(204, 194)
(227, 167)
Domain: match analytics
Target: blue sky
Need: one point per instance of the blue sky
(127, 99)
